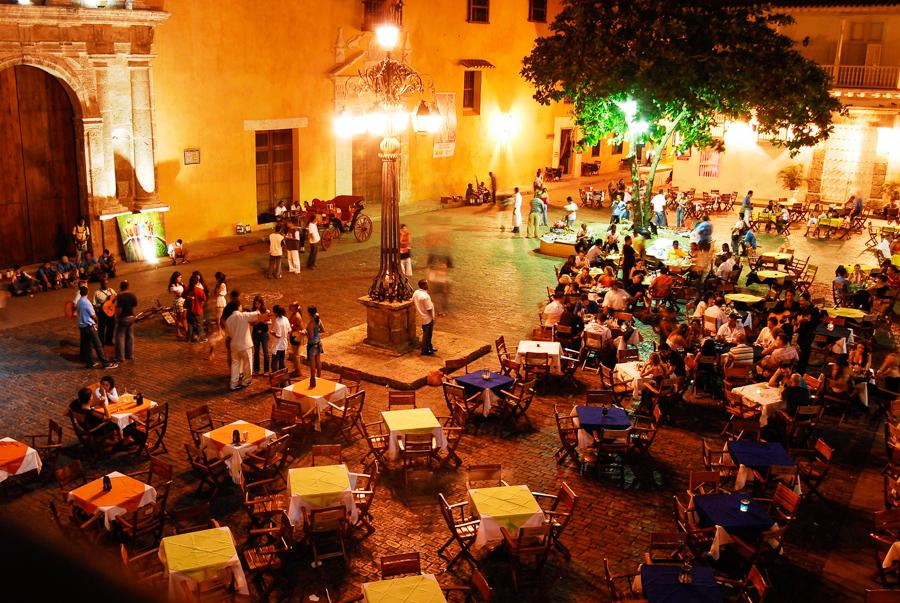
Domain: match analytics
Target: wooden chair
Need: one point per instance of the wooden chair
(800, 427)
(752, 589)
(326, 454)
(266, 560)
(260, 503)
(200, 421)
(326, 530)
(70, 477)
(502, 352)
(364, 495)
(744, 429)
(529, 544)
(610, 379)
(513, 405)
(283, 423)
(737, 409)
(456, 394)
(620, 586)
(347, 417)
(351, 378)
(269, 463)
(628, 355)
(399, 400)
(612, 446)
(451, 365)
(568, 437)
(416, 454)
(47, 446)
(148, 521)
(478, 590)
(212, 473)
(511, 368)
(644, 430)
(484, 476)
(463, 528)
(813, 466)
(145, 567)
(667, 548)
(698, 539)
(400, 565)
(600, 397)
(703, 482)
(98, 441)
(715, 458)
(558, 514)
(152, 429)
(193, 518)
(78, 526)
(536, 366)
(452, 436)
(377, 439)
(158, 472)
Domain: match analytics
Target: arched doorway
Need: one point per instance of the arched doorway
(39, 200)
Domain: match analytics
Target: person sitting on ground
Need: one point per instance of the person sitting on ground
(616, 298)
(47, 277)
(281, 209)
(88, 268)
(741, 355)
(22, 283)
(729, 331)
(67, 270)
(178, 251)
(766, 335)
(107, 263)
(554, 310)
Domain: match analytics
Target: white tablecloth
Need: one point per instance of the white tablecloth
(31, 462)
(437, 433)
(300, 501)
(767, 398)
(630, 371)
(234, 453)
(552, 348)
(110, 512)
(123, 419)
(299, 392)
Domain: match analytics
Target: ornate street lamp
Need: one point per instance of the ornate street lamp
(389, 83)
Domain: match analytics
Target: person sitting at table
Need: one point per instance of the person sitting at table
(703, 302)
(564, 281)
(616, 299)
(81, 411)
(729, 331)
(841, 284)
(595, 253)
(583, 238)
(571, 287)
(673, 359)
(707, 349)
(859, 360)
(568, 266)
(654, 367)
(597, 328)
(836, 381)
(780, 352)
(554, 310)
(661, 286)
(640, 269)
(612, 240)
(893, 276)
(607, 278)
(636, 289)
(858, 277)
(106, 392)
(677, 253)
(677, 341)
(584, 278)
(806, 320)
(581, 260)
(571, 319)
(586, 306)
(723, 272)
(741, 355)
(889, 372)
(715, 310)
(783, 219)
(795, 392)
(874, 297)
(766, 335)
(749, 241)
(787, 304)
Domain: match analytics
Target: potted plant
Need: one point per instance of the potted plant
(891, 189)
(791, 178)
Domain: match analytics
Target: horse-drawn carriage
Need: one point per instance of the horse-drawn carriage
(341, 214)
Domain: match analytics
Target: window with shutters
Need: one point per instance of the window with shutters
(274, 171)
(709, 164)
(479, 11)
(863, 44)
(537, 10)
(471, 92)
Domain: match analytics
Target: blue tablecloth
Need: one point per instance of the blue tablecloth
(660, 583)
(759, 455)
(592, 418)
(725, 510)
(475, 383)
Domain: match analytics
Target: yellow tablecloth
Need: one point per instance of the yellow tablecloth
(767, 274)
(320, 487)
(762, 216)
(895, 259)
(510, 507)
(743, 298)
(197, 556)
(777, 256)
(831, 222)
(409, 589)
(413, 420)
(847, 313)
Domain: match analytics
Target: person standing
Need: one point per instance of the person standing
(493, 178)
(545, 208)
(195, 298)
(659, 209)
(87, 330)
(405, 250)
(281, 331)
(295, 319)
(238, 328)
(425, 315)
(221, 292)
(571, 209)
(747, 206)
(704, 231)
(313, 332)
(314, 238)
(517, 212)
(292, 245)
(81, 236)
(276, 244)
(126, 302)
(107, 324)
(534, 218)
(260, 336)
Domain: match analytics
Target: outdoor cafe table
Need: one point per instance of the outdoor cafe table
(749, 455)
(771, 275)
(631, 371)
(595, 418)
(660, 583)
(423, 588)
(221, 440)
(777, 256)
(895, 259)
(17, 458)
(197, 556)
(122, 412)
(126, 496)
(743, 298)
(320, 487)
(552, 348)
(490, 389)
(319, 396)
(768, 399)
(410, 421)
(724, 512)
(851, 313)
(841, 336)
(510, 507)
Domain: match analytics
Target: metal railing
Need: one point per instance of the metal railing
(863, 76)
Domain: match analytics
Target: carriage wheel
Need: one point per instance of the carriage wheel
(362, 230)
(327, 238)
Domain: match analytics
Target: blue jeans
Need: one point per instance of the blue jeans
(679, 217)
(544, 221)
(260, 344)
(125, 339)
(661, 218)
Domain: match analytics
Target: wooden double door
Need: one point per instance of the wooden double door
(39, 199)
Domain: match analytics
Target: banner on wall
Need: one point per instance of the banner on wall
(143, 236)
(445, 139)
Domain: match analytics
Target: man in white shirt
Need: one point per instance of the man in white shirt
(597, 330)
(238, 328)
(314, 239)
(884, 246)
(276, 243)
(517, 212)
(280, 209)
(616, 298)
(553, 311)
(766, 336)
(723, 272)
(729, 331)
(292, 245)
(594, 253)
(424, 316)
(659, 208)
(715, 311)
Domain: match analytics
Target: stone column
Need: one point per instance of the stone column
(142, 129)
(98, 136)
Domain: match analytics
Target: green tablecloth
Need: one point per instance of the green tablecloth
(847, 313)
(743, 297)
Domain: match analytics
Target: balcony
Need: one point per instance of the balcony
(865, 77)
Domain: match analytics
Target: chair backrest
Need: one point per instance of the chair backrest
(533, 540)
(326, 454)
(480, 585)
(539, 359)
(160, 469)
(279, 379)
(510, 368)
(600, 397)
(199, 419)
(54, 432)
(745, 429)
(401, 399)
(453, 393)
(710, 325)
(192, 518)
(704, 482)
(627, 355)
(400, 564)
(500, 345)
(451, 365)
(70, 476)
(350, 375)
(329, 519)
(823, 450)
(666, 547)
(417, 443)
(786, 499)
(492, 473)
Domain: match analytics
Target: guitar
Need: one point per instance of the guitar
(109, 306)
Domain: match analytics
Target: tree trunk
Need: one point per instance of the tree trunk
(651, 176)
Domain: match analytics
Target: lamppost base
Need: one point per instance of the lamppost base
(390, 325)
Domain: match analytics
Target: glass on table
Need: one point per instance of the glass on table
(745, 505)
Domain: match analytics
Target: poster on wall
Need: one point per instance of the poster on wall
(445, 139)
(143, 236)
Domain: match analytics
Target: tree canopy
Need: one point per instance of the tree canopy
(687, 66)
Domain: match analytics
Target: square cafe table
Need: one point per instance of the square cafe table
(410, 421)
(198, 556)
(121, 412)
(320, 487)
(593, 418)
(767, 398)
(771, 275)
(659, 584)
(221, 441)
(723, 511)
(748, 455)
(551, 348)
(631, 371)
(126, 496)
(490, 389)
(511, 507)
(408, 589)
(324, 392)
(17, 458)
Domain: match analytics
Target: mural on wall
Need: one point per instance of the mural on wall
(143, 236)
(445, 139)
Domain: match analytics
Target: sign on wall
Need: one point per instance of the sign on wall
(191, 156)
(445, 138)
(143, 236)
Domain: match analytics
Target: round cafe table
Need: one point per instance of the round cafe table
(777, 256)
(767, 275)
(744, 298)
(852, 313)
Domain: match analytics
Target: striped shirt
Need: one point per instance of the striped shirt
(742, 354)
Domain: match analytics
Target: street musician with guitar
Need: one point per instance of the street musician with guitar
(105, 306)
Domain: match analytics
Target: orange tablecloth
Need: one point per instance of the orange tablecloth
(16, 458)
(324, 392)
(221, 440)
(127, 495)
(122, 411)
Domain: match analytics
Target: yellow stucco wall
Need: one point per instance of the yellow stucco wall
(219, 64)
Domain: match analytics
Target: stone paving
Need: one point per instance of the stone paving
(498, 285)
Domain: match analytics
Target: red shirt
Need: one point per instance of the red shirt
(199, 300)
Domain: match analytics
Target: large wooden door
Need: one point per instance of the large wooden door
(367, 169)
(38, 173)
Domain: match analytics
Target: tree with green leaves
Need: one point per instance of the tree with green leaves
(666, 72)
